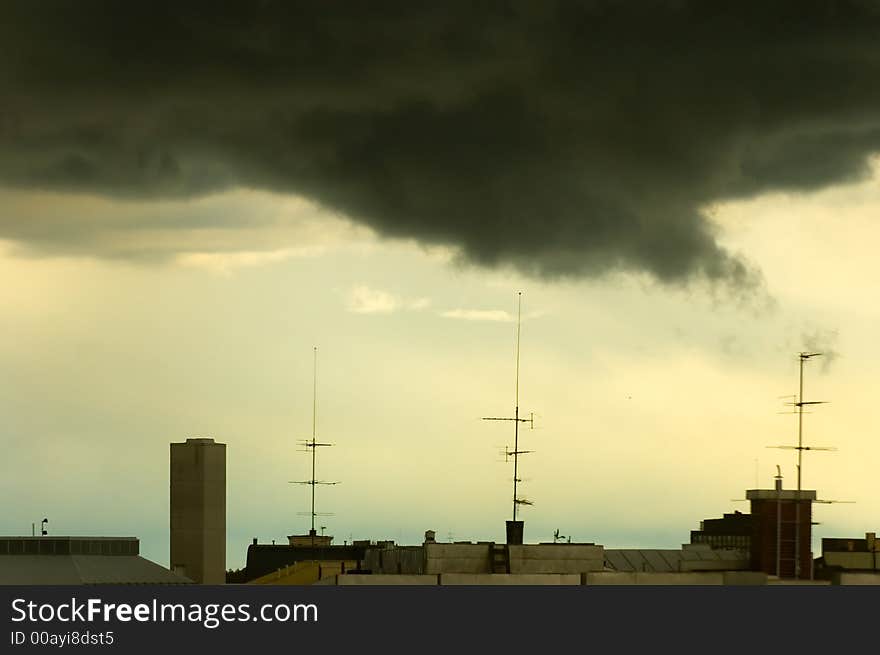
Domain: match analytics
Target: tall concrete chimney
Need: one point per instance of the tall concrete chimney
(198, 510)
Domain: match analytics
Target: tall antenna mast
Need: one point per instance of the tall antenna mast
(800, 403)
(313, 446)
(516, 452)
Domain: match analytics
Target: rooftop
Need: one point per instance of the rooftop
(784, 494)
(689, 558)
(59, 545)
(202, 441)
(79, 560)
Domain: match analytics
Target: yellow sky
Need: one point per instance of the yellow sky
(654, 406)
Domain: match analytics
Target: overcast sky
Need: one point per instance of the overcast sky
(191, 200)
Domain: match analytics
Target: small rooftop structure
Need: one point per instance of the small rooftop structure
(310, 540)
(732, 531)
(850, 554)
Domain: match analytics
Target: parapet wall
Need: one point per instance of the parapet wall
(625, 578)
(642, 578)
(506, 579)
(556, 558)
(524, 559)
(456, 558)
(858, 579)
(383, 580)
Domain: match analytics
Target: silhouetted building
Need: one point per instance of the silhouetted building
(263, 559)
(848, 555)
(198, 510)
(730, 531)
(782, 522)
(79, 560)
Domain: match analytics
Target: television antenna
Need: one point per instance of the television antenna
(312, 446)
(516, 452)
(799, 403)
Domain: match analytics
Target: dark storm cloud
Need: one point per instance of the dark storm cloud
(562, 138)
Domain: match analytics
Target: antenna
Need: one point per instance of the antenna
(516, 452)
(313, 446)
(778, 485)
(800, 403)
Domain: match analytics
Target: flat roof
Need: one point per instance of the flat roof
(66, 545)
(785, 494)
(198, 441)
(84, 569)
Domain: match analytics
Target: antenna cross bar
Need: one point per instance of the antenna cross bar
(805, 447)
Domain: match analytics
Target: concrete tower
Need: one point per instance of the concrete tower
(198, 510)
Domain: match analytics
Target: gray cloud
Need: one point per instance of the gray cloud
(824, 342)
(565, 139)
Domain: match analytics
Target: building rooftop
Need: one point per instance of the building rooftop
(784, 494)
(667, 561)
(79, 560)
(110, 546)
(267, 558)
(201, 441)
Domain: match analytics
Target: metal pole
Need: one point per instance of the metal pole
(778, 520)
(800, 421)
(314, 427)
(314, 432)
(515, 442)
(797, 501)
(516, 407)
(778, 532)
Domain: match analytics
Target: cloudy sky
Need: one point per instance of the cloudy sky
(192, 199)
